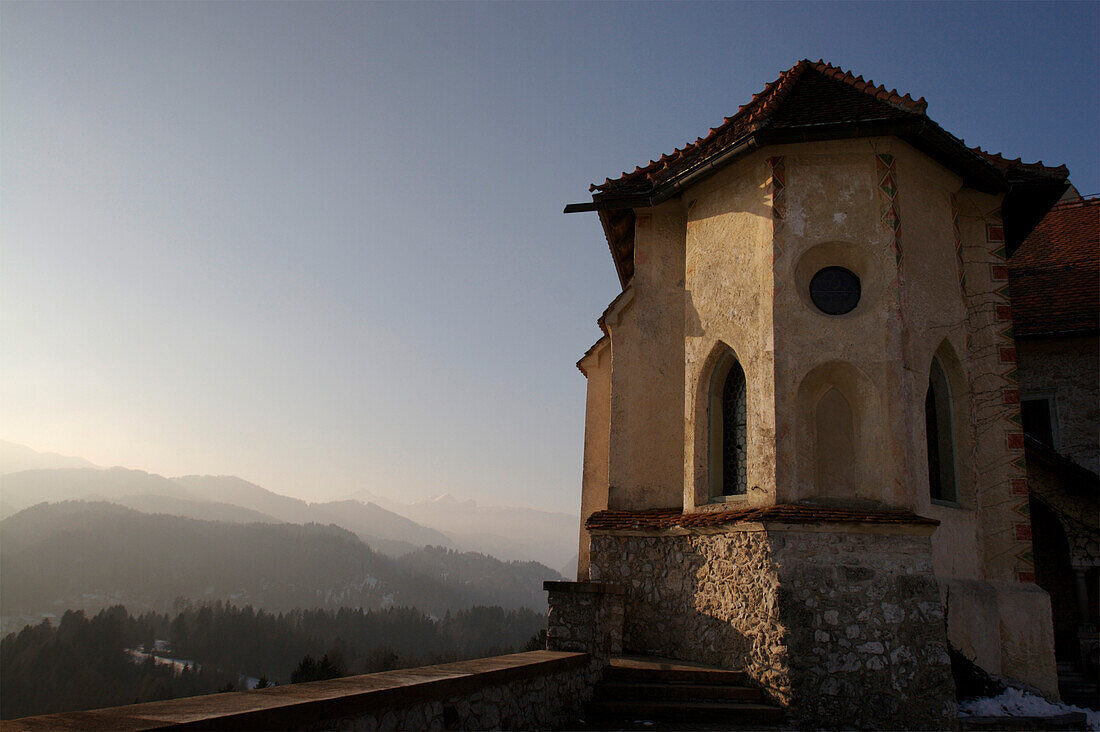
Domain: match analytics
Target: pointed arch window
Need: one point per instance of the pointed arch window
(729, 434)
(940, 436)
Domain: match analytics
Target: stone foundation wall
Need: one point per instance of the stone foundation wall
(865, 627)
(842, 629)
(709, 599)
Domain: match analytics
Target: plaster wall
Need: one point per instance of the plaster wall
(877, 357)
(728, 308)
(596, 366)
(1001, 495)
(832, 217)
(934, 306)
(645, 463)
(1005, 627)
(1067, 369)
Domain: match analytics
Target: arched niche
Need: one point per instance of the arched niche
(841, 454)
(834, 446)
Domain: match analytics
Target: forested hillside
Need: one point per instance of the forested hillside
(89, 555)
(84, 663)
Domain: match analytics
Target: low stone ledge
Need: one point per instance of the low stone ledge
(311, 705)
(589, 588)
(1069, 721)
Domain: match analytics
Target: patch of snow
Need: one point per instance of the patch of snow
(1018, 703)
(840, 218)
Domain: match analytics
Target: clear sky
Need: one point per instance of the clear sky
(320, 246)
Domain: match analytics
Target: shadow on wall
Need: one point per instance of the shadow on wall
(840, 437)
(823, 622)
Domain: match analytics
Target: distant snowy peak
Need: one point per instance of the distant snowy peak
(446, 499)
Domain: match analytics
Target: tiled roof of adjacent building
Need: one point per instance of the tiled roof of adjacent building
(1054, 277)
(667, 518)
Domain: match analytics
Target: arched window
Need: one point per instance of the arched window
(940, 435)
(729, 434)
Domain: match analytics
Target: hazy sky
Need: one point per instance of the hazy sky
(320, 246)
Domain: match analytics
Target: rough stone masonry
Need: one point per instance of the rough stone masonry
(840, 628)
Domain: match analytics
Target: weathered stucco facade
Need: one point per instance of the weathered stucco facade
(718, 247)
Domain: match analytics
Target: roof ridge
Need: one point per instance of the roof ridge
(756, 113)
(761, 97)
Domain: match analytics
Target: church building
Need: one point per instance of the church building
(804, 454)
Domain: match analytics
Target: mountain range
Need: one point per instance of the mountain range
(93, 554)
(28, 477)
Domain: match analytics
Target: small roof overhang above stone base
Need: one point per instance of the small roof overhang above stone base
(782, 517)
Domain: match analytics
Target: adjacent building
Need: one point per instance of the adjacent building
(1055, 286)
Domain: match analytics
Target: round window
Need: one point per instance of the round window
(835, 290)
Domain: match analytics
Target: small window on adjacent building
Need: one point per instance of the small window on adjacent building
(729, 434)
(940, 435)
(1038, 419)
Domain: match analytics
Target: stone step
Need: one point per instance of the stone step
(731, 713)
(647, 669)
(633, 690)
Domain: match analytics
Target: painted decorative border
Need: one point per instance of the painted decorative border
(888, 188)
(957, 233)
(1010, 396)
(778, 187)
(890, 218)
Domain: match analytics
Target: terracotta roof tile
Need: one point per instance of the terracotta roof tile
(1018, 168)
(667, 518)
(809, 93)
(1054, 276)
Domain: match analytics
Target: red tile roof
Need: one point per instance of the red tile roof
(667, 518)
(1054, 277)
(1016, 168)
(809, 93)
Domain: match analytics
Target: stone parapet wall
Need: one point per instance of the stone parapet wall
(535, 690)
(585, 617)
(842, 628)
